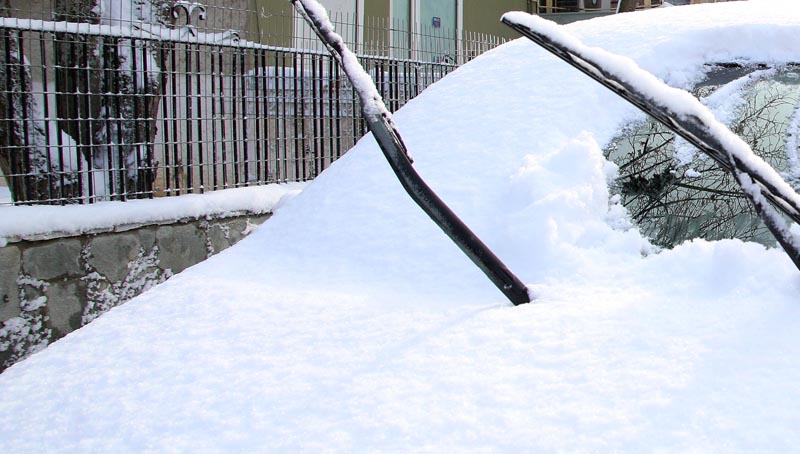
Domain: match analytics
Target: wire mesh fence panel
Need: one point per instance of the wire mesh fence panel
(151, 102)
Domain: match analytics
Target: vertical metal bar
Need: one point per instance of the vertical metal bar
(86, 116)
(316, 90)
(214, 141)
(320, 152)
(198, 99)
(48, 141)
(14, 180)
(176, 157)
(264, 102)
(404, 86)
(78, 188)
(64, 78)
(258, 75)
(280, 112)
(223, 134)
(119, 95)
(390, 86)
(136, 121)
(245, 114)
(110, 74)
(189, 137)
(332, 88)
(27, 117)
(150, 98)
(165, 78)
(302, 174)
(297, 104)
(234, 118)
(329, 126)
(282, 155)
(340, 87)
(50, 177)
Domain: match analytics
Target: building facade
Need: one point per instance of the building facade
(371, 25)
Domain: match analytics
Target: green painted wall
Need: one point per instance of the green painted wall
(483, 16)
(568, 18)
(272, 24)
(376, 8)
(400, 10)
(376, 27)
(445, 10)
(400, 23)
(437, 43)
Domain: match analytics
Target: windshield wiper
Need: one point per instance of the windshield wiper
(379, 122)
(760, 183)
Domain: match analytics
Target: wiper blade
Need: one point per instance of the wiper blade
(765, 189)
(388, 137)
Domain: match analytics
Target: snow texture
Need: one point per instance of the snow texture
(349, 323)
(18, 222)
(678, 101)
(5, 195)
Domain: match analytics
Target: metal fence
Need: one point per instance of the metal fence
(158, 106)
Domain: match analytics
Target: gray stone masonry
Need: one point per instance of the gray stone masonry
(53, 286)
(181, 247)
(53, 259)
(9, 293)
(110, 254)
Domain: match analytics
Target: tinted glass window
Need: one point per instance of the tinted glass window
(675, 193)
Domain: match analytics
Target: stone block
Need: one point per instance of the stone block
(218, 234)
(9, 293)
(53, 259)
(110, 254)
(249, 224)
(180, 247)
(236, 228)
(147, 236)
(64, 307)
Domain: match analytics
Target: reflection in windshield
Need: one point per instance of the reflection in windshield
(673, 193)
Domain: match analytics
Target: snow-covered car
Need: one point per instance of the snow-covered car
(350, 323)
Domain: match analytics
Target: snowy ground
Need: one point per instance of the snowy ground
(348, 322)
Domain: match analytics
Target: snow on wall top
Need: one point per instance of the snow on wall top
(32, 222)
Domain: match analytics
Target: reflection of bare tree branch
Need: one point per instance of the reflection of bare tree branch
(671, 207)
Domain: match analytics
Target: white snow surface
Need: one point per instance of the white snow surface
(349, 323)
(21, 222)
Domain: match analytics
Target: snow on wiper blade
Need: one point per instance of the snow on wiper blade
(379, 121)
(681, 112)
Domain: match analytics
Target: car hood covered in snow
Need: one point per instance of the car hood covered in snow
(349, 322)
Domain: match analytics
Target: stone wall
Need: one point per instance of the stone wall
(51, 286)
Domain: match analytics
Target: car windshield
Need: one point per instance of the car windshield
(674, 193)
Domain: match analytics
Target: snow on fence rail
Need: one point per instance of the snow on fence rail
(128, 110)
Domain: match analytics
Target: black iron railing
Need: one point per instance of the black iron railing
(92, 111)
